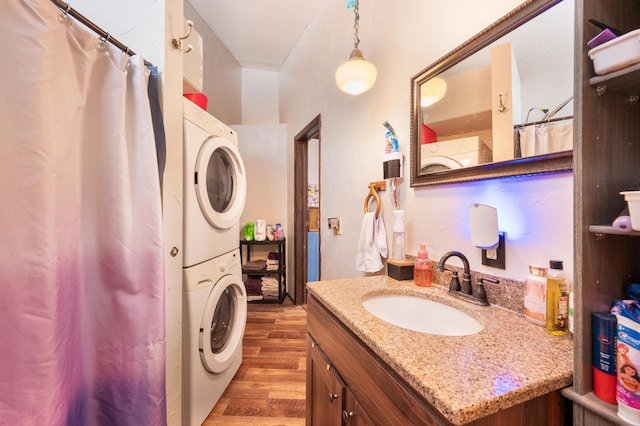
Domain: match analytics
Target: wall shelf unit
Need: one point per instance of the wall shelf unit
(605, 161)
(256, 291)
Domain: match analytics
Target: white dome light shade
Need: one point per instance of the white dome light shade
(356, 75)
(432, 91)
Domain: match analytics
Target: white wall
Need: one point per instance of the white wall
(536, 212)
(259, 97)
(313, 161)
(262, 148)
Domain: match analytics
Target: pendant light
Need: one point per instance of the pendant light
(356, 75)
(432, 91)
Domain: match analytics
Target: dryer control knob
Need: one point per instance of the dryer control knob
(223, 265)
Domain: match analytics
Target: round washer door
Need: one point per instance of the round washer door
(221, 184)
(223, 323)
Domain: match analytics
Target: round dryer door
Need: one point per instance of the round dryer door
(221, 184)
(223, 323)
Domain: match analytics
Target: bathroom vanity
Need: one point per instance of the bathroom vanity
(363, 370)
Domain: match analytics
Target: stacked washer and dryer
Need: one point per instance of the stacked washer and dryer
(214, 296)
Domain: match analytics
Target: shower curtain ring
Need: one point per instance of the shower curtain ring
(102, 46)
(64, 17)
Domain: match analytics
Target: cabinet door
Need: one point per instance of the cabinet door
(327, 391)
(354, 414)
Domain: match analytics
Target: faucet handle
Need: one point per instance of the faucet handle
(479, 292)
(454, 285)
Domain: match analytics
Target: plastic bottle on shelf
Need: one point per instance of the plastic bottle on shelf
(557, 299)
(422, 268)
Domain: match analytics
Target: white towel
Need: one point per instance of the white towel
(372, 244)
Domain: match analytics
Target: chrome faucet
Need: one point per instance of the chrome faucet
(465, 290)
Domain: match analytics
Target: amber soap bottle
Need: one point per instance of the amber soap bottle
(557, 300)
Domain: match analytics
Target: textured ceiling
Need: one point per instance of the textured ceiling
(258, 33)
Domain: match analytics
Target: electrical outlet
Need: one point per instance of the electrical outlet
(492, 254)
(495, 257)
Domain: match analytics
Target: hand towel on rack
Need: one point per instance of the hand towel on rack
(372, 244)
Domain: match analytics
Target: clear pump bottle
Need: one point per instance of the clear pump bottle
(557, 317)
(422, 270)
(397, 248)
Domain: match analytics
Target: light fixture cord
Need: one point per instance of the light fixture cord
(356, 25)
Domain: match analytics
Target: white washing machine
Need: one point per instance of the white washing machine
(215, 187)
(213, 323)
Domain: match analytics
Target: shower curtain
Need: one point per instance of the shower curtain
(81, 269)
(545, 138)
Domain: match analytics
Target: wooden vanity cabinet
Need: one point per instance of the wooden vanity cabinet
(371, 393)
(331, 402)
(354, 414)
(326, 388)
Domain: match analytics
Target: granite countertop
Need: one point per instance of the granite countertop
(464, 377)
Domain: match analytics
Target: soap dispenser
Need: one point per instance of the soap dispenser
(557, 299)
(422, 270)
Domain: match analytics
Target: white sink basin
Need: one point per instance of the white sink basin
(423, 315)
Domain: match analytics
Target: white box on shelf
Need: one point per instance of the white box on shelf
(617, 53)
(633, 201)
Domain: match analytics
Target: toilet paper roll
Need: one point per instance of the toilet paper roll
(622, 223)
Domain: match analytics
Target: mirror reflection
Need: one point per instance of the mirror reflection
(511, 100)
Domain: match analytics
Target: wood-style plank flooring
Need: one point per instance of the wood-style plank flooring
(269, 388)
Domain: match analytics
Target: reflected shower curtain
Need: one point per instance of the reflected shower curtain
(545, 138)
(81, 270)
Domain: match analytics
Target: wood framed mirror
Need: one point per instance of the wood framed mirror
(500, 104)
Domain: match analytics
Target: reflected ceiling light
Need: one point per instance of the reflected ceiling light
(432, 91)
(356, 75)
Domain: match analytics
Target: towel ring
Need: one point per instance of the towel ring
(374, 187)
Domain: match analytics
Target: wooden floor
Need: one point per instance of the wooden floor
(269, 388)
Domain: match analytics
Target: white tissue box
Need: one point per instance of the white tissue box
(617, 53)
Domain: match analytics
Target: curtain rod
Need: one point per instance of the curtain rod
(68, 10)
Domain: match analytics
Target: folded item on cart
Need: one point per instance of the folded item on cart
(269, 281)
(255, 265)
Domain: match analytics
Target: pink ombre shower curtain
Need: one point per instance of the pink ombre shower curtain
(81, 271)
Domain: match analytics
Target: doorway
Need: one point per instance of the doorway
(307, 209)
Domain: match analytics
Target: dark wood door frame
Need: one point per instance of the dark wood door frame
(301, 213)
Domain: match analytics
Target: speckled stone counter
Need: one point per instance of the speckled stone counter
(464, 377)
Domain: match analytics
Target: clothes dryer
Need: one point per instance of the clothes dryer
(213, 323)
(215, 187)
